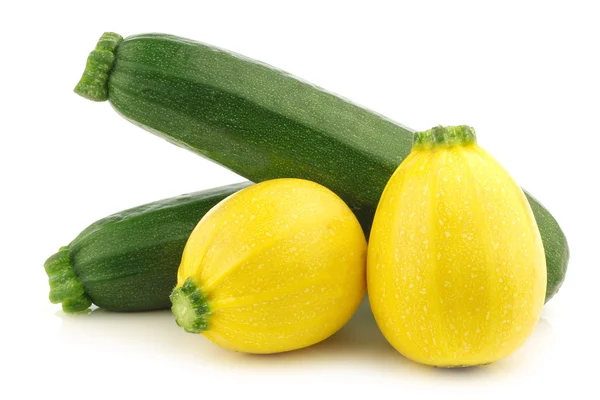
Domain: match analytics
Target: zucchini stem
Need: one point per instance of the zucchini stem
(190, 307)
(65, 288)
(444, 136)
(93, 84)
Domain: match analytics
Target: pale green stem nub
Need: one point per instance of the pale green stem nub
(65, 288)
(190, 307)
(444, 136)
(93, 85)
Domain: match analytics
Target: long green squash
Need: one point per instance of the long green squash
(263, 123)
(128, 261)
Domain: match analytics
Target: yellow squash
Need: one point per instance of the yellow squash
(456, 271)
(275, 267)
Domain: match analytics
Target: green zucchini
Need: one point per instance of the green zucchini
(128, 261)
(262, 123)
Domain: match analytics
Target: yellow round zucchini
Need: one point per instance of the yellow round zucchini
(456, 270)
(275, 267)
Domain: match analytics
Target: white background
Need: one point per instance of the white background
(525, 74)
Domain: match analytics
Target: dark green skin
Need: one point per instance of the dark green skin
(129, 260)
(555, 246)
(262, 123)
(255, 120)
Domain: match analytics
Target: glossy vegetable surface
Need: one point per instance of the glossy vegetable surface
(456, 268)
(263, 123)
(128, 261)
(276, 267)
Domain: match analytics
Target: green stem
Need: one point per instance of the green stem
(190, 307)
(445, 136)
(93, 84)
(65, 288)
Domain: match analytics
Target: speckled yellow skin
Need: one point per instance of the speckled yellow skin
(282, 264)
(456, 270)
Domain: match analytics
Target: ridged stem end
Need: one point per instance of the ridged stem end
(93, 84)
(444, 136)
(65, 288)
(190, 307)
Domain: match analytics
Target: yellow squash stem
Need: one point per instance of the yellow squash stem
(456, 268)
(275, 267)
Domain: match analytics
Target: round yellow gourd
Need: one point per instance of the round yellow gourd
(278, 266)
(456, 270)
